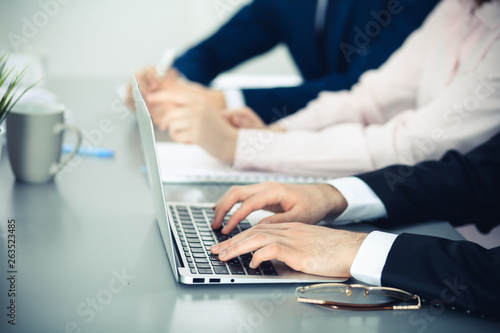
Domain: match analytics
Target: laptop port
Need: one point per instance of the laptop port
(214, 280)
(198, 280)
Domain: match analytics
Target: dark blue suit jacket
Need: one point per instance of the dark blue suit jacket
(349, 45)
(461, 189)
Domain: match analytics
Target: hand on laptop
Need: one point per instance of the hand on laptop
(307, 248)
(305, 203)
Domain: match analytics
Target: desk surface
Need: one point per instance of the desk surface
(89, 256)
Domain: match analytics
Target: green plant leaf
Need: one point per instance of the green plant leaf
(7, 101)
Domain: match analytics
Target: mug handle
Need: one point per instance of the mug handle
(56, 167)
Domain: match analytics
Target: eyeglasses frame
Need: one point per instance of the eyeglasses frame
(366, 292)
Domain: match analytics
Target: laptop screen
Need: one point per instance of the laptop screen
(147, 134)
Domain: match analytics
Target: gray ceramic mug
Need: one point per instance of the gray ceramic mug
(34, 141)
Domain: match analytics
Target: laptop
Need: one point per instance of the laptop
(187, 235)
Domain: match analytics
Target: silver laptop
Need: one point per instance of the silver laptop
(187, 235)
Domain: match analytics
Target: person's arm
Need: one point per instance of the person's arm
(459, 188)
(276, 103)
(249, 33)
(428, 266)
(379, 94)
(447, 273)
(366, 142)
(443, 272)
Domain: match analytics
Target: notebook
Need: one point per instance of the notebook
(192, 165)
(187, 235)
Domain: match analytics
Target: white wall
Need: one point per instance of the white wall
(106, 38)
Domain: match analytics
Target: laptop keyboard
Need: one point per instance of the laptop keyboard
(196, 237)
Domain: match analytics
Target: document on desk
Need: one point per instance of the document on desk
(190, 164)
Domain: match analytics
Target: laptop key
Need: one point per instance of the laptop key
(236, 270)
(205, 271)
(234, 261)
(266, 264)
(197, 250)
(221, 270)
(194, 271)
(251, 271)
(267, 271)
(245, 225)
(198, 260)
(199, 255)
(203, 265)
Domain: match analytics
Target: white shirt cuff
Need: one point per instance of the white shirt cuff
(371, 257)
(362, 203)
(234, 98)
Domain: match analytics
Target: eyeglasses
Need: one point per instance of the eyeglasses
(356, 297)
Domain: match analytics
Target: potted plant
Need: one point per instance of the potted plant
(9, 86)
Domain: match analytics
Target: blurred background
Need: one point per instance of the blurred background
(96, 38)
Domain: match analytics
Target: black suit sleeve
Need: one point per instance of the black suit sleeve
(461, 189)
(447, 273)
(249, 33)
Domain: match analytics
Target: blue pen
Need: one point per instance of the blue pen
(89, 151)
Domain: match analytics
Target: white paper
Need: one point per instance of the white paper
(181, 163)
